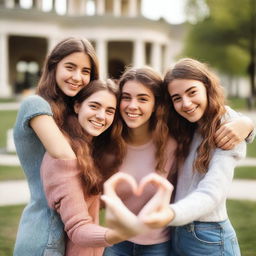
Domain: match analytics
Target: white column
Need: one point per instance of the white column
(76, 7)
(100, 7)
(5, 88)
(39, 4)
(52, 42)
(117, 8)
(139, 53)
(9, 3)
(101, 50)
(156, 56)
(167, 57)
(132, 8)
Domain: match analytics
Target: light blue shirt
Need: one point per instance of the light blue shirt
(40, 230)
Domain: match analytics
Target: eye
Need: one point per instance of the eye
(110, 111)
(69, 67)
(143, 99)
(193, 92)
(125, 97)
(86, 72)
(176, 99)
(92, 106)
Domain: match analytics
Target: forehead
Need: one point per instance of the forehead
(103, 97)
(135, 88)
(182, 85)
(77, 57)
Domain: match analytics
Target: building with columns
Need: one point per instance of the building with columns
(116, 28)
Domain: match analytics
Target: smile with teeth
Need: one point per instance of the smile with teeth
(192, 110)
(96, 124)
(132, 115)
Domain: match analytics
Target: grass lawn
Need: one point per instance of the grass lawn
(242, 215)
(251, 149)
(245, 172)
(11, 173)
(7, 121)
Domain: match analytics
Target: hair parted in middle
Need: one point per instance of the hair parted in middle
(90, 152)
(181, 129)
(152, 80)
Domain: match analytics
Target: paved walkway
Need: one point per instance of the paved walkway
(17, 192)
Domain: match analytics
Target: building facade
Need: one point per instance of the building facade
(116, 28)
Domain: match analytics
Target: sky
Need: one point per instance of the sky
(171, 10)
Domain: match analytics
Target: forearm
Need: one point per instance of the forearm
(51, 137)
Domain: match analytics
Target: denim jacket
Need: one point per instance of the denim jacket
(41, 231)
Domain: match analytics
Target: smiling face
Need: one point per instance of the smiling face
(96, 113)
(189, 98)
(73, 73)
(137, 104)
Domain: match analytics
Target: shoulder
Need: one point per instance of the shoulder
(31, 107)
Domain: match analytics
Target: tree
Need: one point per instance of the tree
(224, 35)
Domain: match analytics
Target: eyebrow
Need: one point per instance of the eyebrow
(141, 94)
(73, 64)
(97, 103)
(189, 89)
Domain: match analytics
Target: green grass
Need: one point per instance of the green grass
(7, 121)
(241, 213)
(242, 216)
(9, 219)
(238, 103)
(245, 172)
(251, 149)
(8, 100)
(11, 173)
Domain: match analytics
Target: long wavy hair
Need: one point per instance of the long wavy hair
(89, 151)
(158, 121)
(47, 85)
(181, 128)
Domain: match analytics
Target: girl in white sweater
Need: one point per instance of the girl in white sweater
(205, 173)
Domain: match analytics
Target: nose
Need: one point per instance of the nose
(133, 104)
(76, 76)
(100, 114)
(186, 102)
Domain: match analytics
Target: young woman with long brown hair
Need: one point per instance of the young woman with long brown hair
(72, 187)
(70, 66)
(197, 110)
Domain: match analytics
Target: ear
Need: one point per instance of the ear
(77, 107)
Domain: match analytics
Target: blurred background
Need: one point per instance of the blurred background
(126, 32)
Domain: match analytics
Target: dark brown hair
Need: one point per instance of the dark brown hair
(47, 86)
(89, 153)
(158, 126)
(182, 129)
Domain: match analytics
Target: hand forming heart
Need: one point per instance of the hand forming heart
(155, 214)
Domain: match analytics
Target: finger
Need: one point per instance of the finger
(113, 181)
(156, 179)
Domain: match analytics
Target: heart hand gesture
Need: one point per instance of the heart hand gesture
(155, 214)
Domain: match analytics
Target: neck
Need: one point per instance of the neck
(139, 136)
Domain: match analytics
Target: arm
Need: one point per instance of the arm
(234, 130)
(51, 137)
(64, 192)
(211, 190)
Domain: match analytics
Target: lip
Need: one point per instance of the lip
(191, 111)
(133, 115)
(73, 86)
(96, 124)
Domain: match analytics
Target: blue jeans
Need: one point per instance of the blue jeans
(205, 238)
(127, 248)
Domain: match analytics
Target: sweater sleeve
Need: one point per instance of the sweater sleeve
(211, 190)
(64, 192)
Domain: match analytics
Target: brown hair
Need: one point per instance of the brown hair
(181, 128)
(89, 152)
(153, 81)
(47, 86)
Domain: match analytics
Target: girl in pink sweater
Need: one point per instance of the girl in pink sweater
(72, 187)
(149, 150)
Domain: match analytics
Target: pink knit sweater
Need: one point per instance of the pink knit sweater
(80, 213)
